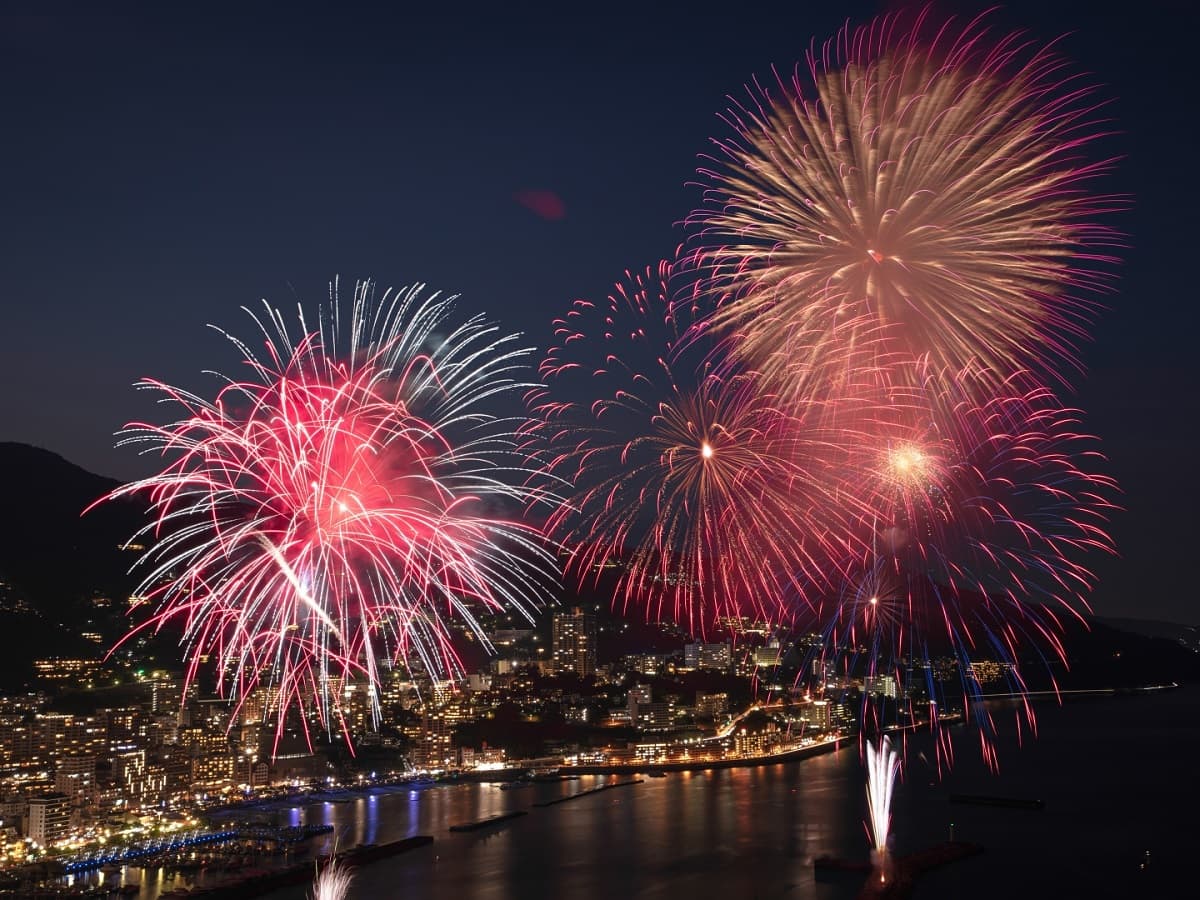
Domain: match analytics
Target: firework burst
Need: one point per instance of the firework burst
(982, 515)
(333, 512)
(935, 187)
(687, 475)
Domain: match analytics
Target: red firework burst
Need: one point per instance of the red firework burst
(331, 514)
(690, 478)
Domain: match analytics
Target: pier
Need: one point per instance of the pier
(489, 821)
(595, 790)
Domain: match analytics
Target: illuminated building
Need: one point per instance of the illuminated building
(646, 663)
(717, 657)
(75, 671)
(75, 778)
(755, 743)
(712, 706)
(818, 715)
(768, 656)
(988, 672)
(138, 781)
(573, 643)
(49, 819)
(880, 686)
(211, 762)
(652, 716)
(433, 748)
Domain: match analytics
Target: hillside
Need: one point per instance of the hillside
(54, 561)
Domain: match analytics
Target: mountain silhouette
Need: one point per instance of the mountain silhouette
(54, 560)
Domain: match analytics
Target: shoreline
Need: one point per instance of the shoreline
(516, 773)
(791, 755)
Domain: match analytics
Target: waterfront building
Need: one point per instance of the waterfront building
(432, 748)
(49, 819)
(355, 707)
(211, 761)
(987, 671)
(818, 715)
(757, 742)
(139, 782)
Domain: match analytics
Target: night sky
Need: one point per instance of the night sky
(160, 169)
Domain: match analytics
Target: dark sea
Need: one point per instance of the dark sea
(1116, 776)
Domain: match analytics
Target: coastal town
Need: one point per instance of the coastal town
(108, 753)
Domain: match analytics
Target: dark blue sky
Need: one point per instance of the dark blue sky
(161, 167)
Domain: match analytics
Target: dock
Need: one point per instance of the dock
(898, 884)
(595, 790)
(489, 821)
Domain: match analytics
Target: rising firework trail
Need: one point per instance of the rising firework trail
(332, 882)
(882, 767)
(930, 182)
(331, 513)
(685, 476)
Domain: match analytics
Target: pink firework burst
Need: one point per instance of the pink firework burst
(333, 512)
(983, 517)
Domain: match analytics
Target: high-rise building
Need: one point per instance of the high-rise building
(433, 748)
(139, 782)
(75, 776)
(49, 819)
(573, 642)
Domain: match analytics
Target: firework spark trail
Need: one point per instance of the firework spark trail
(843, 231)
(882, 767)
(332, 882)
(982, 517)
(936, 187)
(329, 515)
(714, 498)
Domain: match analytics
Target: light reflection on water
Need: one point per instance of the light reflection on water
(737, 832)
(1112, 773)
